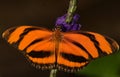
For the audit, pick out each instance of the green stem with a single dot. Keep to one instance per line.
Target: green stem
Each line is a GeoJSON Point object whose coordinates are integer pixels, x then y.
{"type": "Point", "coordinates": [69, 17]}
{"type": "Point", "coordinates": [53, 73]}
{"type": "Point", "coordinates": [71, 10]}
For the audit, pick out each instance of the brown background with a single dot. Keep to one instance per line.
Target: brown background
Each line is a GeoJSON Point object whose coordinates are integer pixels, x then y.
{"type": "Point", "coordinates": [102, 16]}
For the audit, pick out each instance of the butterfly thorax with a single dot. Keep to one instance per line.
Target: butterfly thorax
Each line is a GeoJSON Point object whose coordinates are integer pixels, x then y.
{"type": "Point", "coordinates": [57, 35]}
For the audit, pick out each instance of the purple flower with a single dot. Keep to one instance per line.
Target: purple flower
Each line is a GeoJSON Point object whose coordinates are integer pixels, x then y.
{"type": "Point", "coordinates": [72, 26]}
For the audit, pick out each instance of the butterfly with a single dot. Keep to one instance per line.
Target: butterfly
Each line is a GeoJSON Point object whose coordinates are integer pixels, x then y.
{"type": "Point", "coordinates": [68, 51]}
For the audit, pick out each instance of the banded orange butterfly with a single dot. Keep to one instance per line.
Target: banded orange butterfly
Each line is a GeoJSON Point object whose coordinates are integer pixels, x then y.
{"type": "Point", "coordinates": [68, 51]}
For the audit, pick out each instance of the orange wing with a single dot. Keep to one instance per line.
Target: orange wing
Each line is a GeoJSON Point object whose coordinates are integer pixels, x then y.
{"type": "Point", "coordinates": [74, 49]}
{"type": "Point", "coordinates": [35, 42]}
{"type": "Point", "coordinates": [78, 48]}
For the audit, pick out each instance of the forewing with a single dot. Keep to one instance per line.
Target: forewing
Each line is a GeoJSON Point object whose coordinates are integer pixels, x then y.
{"type": "Point", "coordinates": [35, 42]}
{"type": "Point", "coordinates": [78, 48]}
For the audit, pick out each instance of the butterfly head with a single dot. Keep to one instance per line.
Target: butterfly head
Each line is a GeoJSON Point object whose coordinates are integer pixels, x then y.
{"type": "Point", "coordinates": [58, 28]}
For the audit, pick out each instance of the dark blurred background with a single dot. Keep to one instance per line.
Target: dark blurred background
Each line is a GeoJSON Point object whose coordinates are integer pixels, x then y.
{"type": "Point", "coordinates": [102, 16]}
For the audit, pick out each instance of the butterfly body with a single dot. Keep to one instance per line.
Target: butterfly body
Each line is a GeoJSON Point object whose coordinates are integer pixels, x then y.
{"type": "Point", "coordinates": [56, 38]}
{"type": "Point", "coordinates": [68, 51]}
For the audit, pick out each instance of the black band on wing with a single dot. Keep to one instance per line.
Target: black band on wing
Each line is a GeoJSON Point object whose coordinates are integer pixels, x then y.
{"type": "Point", "coordinates": [73, 58]}
{"type": "Point", "coordinates": [113, 44]}
{"type": "Point", "coordinates": [80, 46]}
{"type": "Point", "coordinates": [83, 48]}
{"type": "Point", "coordinates": [96, 43]}
{"type": "Point", "coordinates": [35, 41]}
{"type": "Point", "coordinates": [26, 31]}
{"type": "Point", "coordinates": [39, 54]}
{"type": "Point", "coordinates": [8, 32]}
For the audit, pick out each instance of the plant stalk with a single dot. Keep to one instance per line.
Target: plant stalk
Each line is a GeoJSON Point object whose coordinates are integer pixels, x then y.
{"type": "Point", "coordinates": [71, 10]}
{"type": "Point", "coordinates": [53, 73]}
{"type": "Point", "coordinates": [69, 17]}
